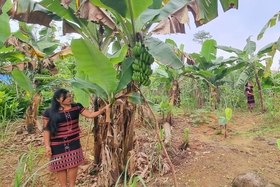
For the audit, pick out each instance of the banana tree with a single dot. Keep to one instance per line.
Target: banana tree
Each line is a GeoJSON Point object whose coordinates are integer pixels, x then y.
{"type": "Point", "coordinates": [122, 25]}
{"type": "Point", "coordinates": [210, 70]}
{"type": "Point", "coordinates": [25, 52]}
{"type": "Point", "coordinates": [271, 22]}
{"type": "Point", "coordinates": [171, 77]}
{"type": "Point", "coordinates": [250, 62]}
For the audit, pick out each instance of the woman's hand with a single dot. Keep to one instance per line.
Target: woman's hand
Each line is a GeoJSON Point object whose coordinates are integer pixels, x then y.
{"type": "Point", "coordinates": [48, 151]}
{"type": "Point", "coordinates": [104, 109]}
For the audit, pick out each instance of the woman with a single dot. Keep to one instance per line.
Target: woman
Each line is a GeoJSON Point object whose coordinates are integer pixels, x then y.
{"type": "Point", "coordinates": [250, 96]}
{"type": "Point", "coordinates": [61, 136]}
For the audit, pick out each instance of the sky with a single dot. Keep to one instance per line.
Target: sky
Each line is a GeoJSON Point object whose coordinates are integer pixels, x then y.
{"type": "Point", "coordinates": [233, 27]}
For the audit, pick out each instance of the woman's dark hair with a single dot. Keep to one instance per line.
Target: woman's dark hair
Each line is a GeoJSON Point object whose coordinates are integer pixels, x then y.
{"type": "Point", "coordinates": [54, 110]}
{"type": "Point", "coordinates": [246, 84]}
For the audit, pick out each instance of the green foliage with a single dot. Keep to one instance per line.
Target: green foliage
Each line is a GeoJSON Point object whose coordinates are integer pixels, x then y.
{"type": "Point", "coordinates": [272, 22]}
{"type": "Point", "coordinates": [163, 52]}
{"type": "Point", "coordinates": [224, 119]}
{"type": "Point", "coordinates": [26, 165]}
{"type": "Point", "coordinates": [4, 21]}
{"type": "Point", "coordinates": [23, 81]}
{"type": "Point", "coordinates": [199, 117]}
{"type": "Point", "coordinates": [88, 58]}
{"type": "Point", "coordinates": [133, 179]}
{"type": "Point", "coordinates": [186, 135]}
{"type": "Point", "coordinates": [12, 104]}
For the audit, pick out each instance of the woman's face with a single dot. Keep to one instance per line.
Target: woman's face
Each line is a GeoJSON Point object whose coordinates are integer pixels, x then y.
{"type": "Point", "coordinates": [67, 101]}
{"type": "Point", "coordinates": [249, 84]}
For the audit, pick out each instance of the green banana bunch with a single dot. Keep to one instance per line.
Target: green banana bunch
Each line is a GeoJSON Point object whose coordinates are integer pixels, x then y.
{"type": "Point", "coordinates": [142, 65]}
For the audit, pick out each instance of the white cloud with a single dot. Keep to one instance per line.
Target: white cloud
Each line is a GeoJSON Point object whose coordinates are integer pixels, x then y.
{"type": "Point", "coordinates": [233, 27]}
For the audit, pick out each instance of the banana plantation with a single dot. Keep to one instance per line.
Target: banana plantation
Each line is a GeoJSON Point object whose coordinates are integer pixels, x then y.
{"type": "Point", "coordinates": [175, 118]}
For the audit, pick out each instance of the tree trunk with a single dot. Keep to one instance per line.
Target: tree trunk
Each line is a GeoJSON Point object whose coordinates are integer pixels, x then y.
{"type": "Point", "coordinates": [174, 95]}
{"type": "Point", "coordinates": [214, 103]}
{"type": "Point", "coordinates": [32, 112]}
{"type": "Point", "coordinates": [197, 95]}
{"type": "Point", "coordinates": [115, 140]}
{"type": "Point", "coordinates": [97, 134]}
{"type": "Point", "coordinates": [260, 92]}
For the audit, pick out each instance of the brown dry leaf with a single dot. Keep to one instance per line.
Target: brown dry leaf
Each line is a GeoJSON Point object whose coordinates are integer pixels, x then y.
{"type": "Point", "coordinates": [2, 2]}
{"type": "Point", "coordinates": [32, 65]}
{"type": "Point", "coordinates": [96, 14]}
{"type": "Point", "coordinates": [190, 60]}
{"type": "Point", "coordinates": [21, 66]}
{"type": "Point", "coordinates": [54, 71]}
{"type": "Point", "coordinates": [67, 28]}
{"type": "Point", "coordinates": [14, 41]}
{"type": "Point", "coordinates": [24, 15]}
{"type": "Point", "coordinates": [115, 140]}
{"type": "Point", "coordinates": [26, 50]}
{"type": "Point", "coordinates": [8, 68]}
{"type": "Point", "coordinates": [165, 168]}
{"type": "Point", "coordinates": [37, 53]}
{"type": "Point", "coordinates": [145, 172]}
{"type": "Point", "coordinates": [132, 162]}
{"type": "Point", "coordinates": [173, 23]}
{"type": "Point", "coordinates": [193, 5]}
{"type": "Point", "coordinates": [64, 52]}
{"type": "Point", "coordinates": [47, 63]}
{"type": "Point", "coordinates": [119, 102]}
{"type": "Point", "coordinates": [65, 3]}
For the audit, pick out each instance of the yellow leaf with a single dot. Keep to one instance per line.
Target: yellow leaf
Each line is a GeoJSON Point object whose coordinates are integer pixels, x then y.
{"type": "Point", "coordinates": [165, 1]}
{"type": "Point", "coordinates": [91, 157]}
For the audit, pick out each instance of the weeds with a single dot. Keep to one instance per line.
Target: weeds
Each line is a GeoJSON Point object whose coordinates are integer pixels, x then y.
{"type": "Point", "coordinates": [5, 128]}
{"type": "Point", "coordinates": [133, 180]}
{"type": "Point", "coordinates": [186, 138]}
{"type": "Point", "coordinates": [26, 166]}
{"type": "Point", "coordinates": [199, 117]}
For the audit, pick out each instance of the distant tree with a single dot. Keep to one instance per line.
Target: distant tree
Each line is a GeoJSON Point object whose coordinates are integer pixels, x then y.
{"type": "Point", "coordinates": [201, 36]}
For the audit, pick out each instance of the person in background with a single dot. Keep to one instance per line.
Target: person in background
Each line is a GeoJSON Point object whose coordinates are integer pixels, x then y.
{"type": "Point", "coordinates": [62, 135]}
{"type": "Point", "coordinates": [250, 96]}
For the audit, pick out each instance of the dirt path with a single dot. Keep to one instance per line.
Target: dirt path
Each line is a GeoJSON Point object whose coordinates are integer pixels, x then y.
{"type": "Point", "coordinates": [210, 160]}
{"type": "Point", "coordinates": [214, 161]}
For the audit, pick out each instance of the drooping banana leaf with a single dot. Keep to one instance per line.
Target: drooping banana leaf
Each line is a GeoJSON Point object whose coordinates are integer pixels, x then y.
{"type": "Point", "coordinates": [95, 64]}
{"type": "Point", "coordinates": [270, 23]}
{"type": "Point", "coordinates": [266, 49]}
{"type": "Point", "coordinates": [31, 12]}
{"type": "Point", "coordinates": [126, 8]}
{"type": "Point", "coordinates": [230, 49]}
{"type": "Point", "coordinates": [163, 52]}
{"type": "Point", "coordinates": [88, 87]}
{"type": "Point", "coordinates": [118, 56]}
{"type": "Point", "coordinates": [126, 74]}
{"type": "Point", "coordinates": [81, 94]}
{"type": "Point", "coordinates": [250, 47]}
{"type": "Point", "coordinates": [5, 30]}
{"type": "Point", "coordinates": [23, 81]}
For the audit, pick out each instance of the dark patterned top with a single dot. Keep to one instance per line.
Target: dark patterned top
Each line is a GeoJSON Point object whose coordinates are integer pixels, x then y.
{"type": "Point", "coordinates": [65, 145]}
{"type": "Point", "coordinates": [250, 98]}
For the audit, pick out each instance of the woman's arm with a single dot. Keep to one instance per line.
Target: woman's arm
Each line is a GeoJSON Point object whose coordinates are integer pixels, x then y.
{"type": "Point", "coordinates": [89, 114]}
{"type": "Point", "coordinates": [47, 139]}
{"type": "Point", "coordinates": [249, 93]}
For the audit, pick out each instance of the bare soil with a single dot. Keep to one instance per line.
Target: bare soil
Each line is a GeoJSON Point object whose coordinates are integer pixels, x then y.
{"type": "Point", "coordinates": [210, 160]}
